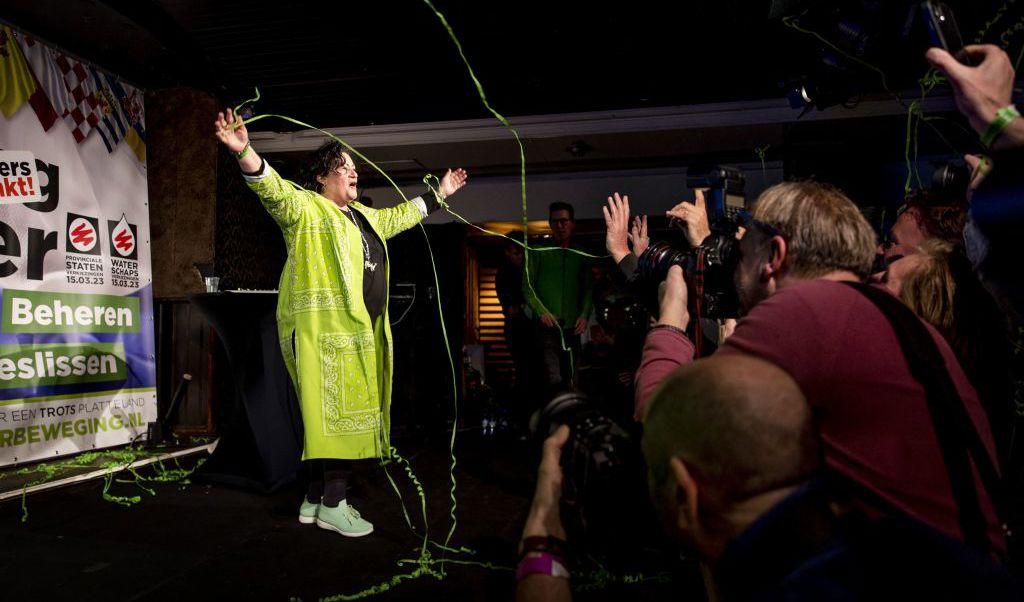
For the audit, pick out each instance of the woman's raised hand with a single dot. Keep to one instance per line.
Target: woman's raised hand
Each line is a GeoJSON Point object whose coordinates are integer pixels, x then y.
{"type": "Point", "coordinates": [231, 131]}
{"type": "Point", "coordinates": [452, 182]}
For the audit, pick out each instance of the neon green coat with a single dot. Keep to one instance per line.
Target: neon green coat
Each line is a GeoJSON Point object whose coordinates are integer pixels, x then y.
{"type": "Point", "coordinates": [341, 364]}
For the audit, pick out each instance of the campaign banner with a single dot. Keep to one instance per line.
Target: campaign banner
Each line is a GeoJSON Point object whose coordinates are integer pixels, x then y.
{"type": "Point", "coordinates": [77, 348]}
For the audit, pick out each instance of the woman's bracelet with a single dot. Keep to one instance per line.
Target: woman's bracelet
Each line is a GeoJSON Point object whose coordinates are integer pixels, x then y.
{"type": "Point", "coordinates": [245, 151]}
{"type": "Point", "coordinates": [675, 329]}
{"type": "Point", "coordinates": [549, 544]}
{"type": "Point", "coordinates": [1004, 117]}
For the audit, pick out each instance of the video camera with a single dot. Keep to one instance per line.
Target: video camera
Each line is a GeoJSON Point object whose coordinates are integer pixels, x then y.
{"type": "Point", "coordinates": [708, 267]}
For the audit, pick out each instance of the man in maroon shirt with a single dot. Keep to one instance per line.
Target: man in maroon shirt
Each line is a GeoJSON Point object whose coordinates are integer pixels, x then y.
{"type": "Point", "coordinates": [805, 240]}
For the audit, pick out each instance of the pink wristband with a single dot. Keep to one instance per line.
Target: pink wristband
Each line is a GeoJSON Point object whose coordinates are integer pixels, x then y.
{"type": "Point", "coordinates": [541, 564]}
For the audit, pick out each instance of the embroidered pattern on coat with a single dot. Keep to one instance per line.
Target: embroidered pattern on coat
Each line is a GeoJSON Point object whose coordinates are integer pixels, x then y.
{"type": "Point", "coordinates": [320, 298]}
{"type": "Point", "coordinates": [351, 404]}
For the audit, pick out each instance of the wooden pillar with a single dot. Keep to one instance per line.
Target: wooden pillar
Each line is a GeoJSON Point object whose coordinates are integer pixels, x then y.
{"type": "Point", "coordinates": [182, 187]}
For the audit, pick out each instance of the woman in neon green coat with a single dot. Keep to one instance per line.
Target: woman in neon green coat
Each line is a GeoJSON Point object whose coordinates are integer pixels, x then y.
{"type": "Point", "coordinates": [332, 312]}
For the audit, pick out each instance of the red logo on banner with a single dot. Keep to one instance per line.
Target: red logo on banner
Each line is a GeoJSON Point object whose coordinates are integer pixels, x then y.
{"type": "Point", "coordinates": [124, 242]}
{"type": "Point", "coordinates": [82, 235]}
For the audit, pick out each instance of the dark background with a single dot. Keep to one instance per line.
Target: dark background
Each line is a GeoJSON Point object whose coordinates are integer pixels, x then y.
{"type": "Point", "coordinates": [359, 63]}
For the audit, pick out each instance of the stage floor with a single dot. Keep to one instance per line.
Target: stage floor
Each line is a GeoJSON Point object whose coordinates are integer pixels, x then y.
{"type": "Point", "coordinates": [209, 542]}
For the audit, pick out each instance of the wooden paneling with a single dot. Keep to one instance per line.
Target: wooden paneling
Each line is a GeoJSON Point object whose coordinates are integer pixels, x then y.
{"type": "Point", "coordinates": [490, 326]}
{"type": "Point", "coordinates": [187, 344]}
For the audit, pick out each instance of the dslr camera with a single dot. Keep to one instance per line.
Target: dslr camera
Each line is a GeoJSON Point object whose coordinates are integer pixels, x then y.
{"type": "Point", "coordinates": [604, 473]}
{"type": "Point", "coordinates": [709, 267]}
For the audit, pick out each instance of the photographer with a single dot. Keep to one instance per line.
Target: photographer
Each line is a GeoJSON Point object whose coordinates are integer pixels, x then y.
{"type": "Point", "coordinates": [692, 217]}
{"type": "Point", "coordinates": [806, 241]}
{"type": "Point", "coordinates": [732, 460]}
{"type": "Point", "coordinates": [925, 215]}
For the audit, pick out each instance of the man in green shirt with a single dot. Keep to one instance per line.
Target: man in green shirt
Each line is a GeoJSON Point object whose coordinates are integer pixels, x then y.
{"type": "Point", "coordinates": [557, 290]}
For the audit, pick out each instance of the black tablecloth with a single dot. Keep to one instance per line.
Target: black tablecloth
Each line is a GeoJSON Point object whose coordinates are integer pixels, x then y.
{"type": "Point", "coordinates": [261, 442]}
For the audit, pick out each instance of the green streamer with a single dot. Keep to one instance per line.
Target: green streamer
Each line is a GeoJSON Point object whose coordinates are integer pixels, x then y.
{"type": "Point", "coordinates": [430, 179]}
{"type": "Point", "coordinates": [113, 461]}
{"type": "Point", "coordinates": [455, 396]}
{"type": "Point", "coordinates": [425, 557]}
{"type": "Point", "coordinates": [600, 578]}
{"type": "Point", "coordinates": [522, 158]}
{"type": "Point", "coordinates": [791, 23]}
{"type": "Point", "coordinates": [762, 153]}
{"type": "Point", "coordinates": [915, 111]}
{"type": "Point", "coordinates": [1000, 12]}
{"type": "Point", "coordinates": [425, 562]}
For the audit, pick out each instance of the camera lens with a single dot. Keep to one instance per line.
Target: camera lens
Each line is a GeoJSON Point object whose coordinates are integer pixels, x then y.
{"type": "Point", "coordinates": [951, 180]}
{"type": "Point", "coordinates": [655, 262]}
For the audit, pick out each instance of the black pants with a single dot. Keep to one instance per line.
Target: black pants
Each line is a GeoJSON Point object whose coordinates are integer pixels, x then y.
{"type": "Point", "coordinates": [559, 366]}
{"type": "Point", "coordinates": [328, 481]}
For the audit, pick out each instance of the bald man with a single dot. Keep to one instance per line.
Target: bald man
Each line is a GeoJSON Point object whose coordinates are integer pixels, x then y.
{"type": "Point", "coordinates": [725, 440]}
{"type": "Point", "coordinates": [733, 459]}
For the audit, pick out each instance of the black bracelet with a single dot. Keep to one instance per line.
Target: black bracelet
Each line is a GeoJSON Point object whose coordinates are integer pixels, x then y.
{"type": "Point", "coordinates": [668, 327]}
{"type": "Point", "coordinates": [431, 200]}
{"type": "Point", "coordinates": [538, 543]}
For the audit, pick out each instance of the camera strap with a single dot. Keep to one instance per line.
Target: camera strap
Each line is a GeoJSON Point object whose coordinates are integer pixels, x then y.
{"type": "Point", "coordinates": [698, 303]}
{"type": "Point", "coordinates": [959, 441]}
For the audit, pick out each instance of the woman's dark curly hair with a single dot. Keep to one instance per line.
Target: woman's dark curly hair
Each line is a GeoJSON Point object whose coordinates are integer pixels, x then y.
{"type": "Point", "coordinates": [323, 161]}
{"type": "Point", "coordinates": [938, 215]}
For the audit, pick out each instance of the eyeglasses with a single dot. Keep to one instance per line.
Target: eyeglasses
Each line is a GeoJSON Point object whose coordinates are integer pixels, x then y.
{"type": "Point", "coordinates": [346, 170]}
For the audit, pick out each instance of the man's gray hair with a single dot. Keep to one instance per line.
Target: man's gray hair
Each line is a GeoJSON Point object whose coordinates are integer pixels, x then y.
{"type": "Point", "coordinates": [823, 229]}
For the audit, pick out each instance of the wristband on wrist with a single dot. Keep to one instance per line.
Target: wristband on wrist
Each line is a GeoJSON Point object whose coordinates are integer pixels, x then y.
{"type": "Point", "coordinates": [242, 153]}
{"type": "Point", "coordinates": [669, 327]}
{"type": "Point", "coordinates": [541, 564]}
{"type": "Point", "coordinates": [549, 544]}
{"type": "Point", "coordinates": [1004, 117]}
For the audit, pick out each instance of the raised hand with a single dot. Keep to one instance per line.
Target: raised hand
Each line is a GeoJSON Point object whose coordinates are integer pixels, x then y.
{"type": "Point", "coordinates": [231, 131]}
{"type": "Point", "coordinates": [638, 235]}
{"type": "Point", "coordinates": [616, 220]}
{"type": "Point", "coordinates": [979, 91]}
{"type": "Point", "coordinates": [695, 215]}
{"type": "Point", "coordinates": [452, 181]}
